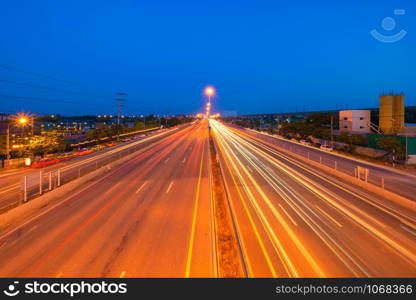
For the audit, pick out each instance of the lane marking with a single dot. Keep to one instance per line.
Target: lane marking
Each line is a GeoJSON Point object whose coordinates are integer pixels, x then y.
{"type": "Point", "coordinates": [314, 265]}
{"type": "Point", "coordinates": [250, 217]}
{"type": "Point", "coordinates": [122, 274]}
{"type": "Point", "coordinates": [184, 160]}
{"type": "Point", "coordinates": [113, 188]}
{"type": "Point", "coordinates": [287, 214]}
{"type": "Point", "coordinates": [248, 167]}
{"type": "Point", "coordinates": [167, 159]}
{"type": "Point", "coordinates": [170, 186]}
{"type": "Point", "coordinates": [195, 212]}
{"type": "Point", "coordinates": [33, 228]}
{"type": "Point", "coordinates": [328, 216]}
{"type": "Point", "coordinates": [142, 186]}
{"type": "Point", "coordinates": [269, 147]}
{"type": "Point", "coordinates": [86, 188]}
{"type": "Point", "coordinates": [311, 220]}
{"type": "Point", "coordinates": [389, 241]}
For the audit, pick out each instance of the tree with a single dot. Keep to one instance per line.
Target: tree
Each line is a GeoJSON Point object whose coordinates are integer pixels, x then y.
{"type": "Point", "coordinates": [270, 129]}
{"type": "Point", "coordinates": [3, 145]}
{"type": "Point", "coordinates": [322, 133]}
{"type": "Point", "coordinates": [393, 146]}
{"type": "Point", "coordinates": [359, 139]}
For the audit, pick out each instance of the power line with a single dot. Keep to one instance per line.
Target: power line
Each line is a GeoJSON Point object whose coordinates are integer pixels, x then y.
{"type": "Point", "coordinates": [51, 77]}
{"type": "Point", "coordinates": [52, 89]}
{"type": "Point", "coordinates": [58, 101]}
{"type": "Point", "coordinates": [46, 100]}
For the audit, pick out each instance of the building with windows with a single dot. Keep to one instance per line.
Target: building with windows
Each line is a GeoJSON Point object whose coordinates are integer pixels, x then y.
{"type": "Point", "coordinates": [355, 121]}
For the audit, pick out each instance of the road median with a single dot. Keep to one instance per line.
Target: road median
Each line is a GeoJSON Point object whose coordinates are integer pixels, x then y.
{"type": "Point", "coordinates": [229, 259]}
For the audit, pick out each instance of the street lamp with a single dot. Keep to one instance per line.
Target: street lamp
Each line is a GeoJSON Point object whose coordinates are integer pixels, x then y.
{"type": "Point", "coordinates": [209, 92]}
{"type": "Point", "coordinates": [19, 120]}
{"type": "Point", "coordinates": [22, 120]}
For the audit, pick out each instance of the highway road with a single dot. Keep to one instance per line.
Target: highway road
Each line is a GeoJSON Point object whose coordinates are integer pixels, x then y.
{"type": "Point", "coordinates": [10, 183]}
{"type": "Point", "coordinates": [151, 217]}
{"type": "Point", "coordinates": [294, 220]}
{"type": "Point", "coordinates": [397, 181]}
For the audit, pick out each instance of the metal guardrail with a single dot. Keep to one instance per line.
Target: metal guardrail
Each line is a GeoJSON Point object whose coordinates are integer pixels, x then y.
{"type": "Point", "coordinates": [357, 171]}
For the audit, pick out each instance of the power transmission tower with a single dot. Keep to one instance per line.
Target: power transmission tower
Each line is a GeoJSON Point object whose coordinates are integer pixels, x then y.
{"type": "Point", "coordinates": [120, 100]}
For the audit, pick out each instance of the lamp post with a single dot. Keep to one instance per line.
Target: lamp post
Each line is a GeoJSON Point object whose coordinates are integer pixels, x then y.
{"type": "Point", "coordinates": [8, 145]}
{"type": "Point", "coordinates": [209, 92]}
{"type": "Point", "coordinates": [20, 120]}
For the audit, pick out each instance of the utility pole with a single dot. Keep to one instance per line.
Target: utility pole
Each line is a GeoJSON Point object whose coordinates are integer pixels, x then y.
{"type": "Point", "coordinates": [144, 121]}
{"type": "Point", "coordinates": [407, 153]}
{"type": "Point", "coordinates": [120, 100]}
{"type": "Point", "coordinates": [8, 145]}
{"type": "Point", "coordinates": [332, 131]}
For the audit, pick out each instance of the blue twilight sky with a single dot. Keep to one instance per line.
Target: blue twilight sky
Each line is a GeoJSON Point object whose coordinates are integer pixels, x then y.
{"type": "Point", "coordinates": [262, 56]}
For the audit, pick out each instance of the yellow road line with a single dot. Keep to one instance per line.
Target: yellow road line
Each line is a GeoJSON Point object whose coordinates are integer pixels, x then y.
{"type": "Point", "coordinates": [195, 212]}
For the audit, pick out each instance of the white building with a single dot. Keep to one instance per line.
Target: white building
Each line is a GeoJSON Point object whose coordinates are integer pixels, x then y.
{"type": "Point", "coordinates": [355, 121]}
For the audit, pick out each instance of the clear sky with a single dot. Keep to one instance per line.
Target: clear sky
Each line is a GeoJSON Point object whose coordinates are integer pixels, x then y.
{"type": "Point", "coordinates": [262, 56]}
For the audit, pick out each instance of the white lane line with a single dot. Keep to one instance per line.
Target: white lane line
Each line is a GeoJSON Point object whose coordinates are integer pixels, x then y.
{"type": "Point", "coordinates": [122, 274]}
{"type": "Point", "coordinates": [328, 216]}
{"type": "Point", "coordinates": [184, 160]}
{"type": "Point", "coordinates": [170, 186]}
{"type": "Point", "coordinates": [408, 229]}
{"type": "Point", "coordinates": [110, 190]}
{"type": "Point", "coordinates": [166, 160]}
{"type": "Point", "coordinates": [142, 186]}
{"type": "Point", "coordinates": [290, 218]}
{"type": "Point", "coordinates": [33, 228]}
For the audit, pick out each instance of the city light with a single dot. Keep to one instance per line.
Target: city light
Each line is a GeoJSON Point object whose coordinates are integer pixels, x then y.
{"type": "Point", "coordinates": [209, 91]}
{"type": "Point", "coordinates": [22, 119]}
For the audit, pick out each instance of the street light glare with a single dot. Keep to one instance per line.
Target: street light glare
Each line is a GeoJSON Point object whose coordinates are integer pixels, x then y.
{"type": "Point", "coordinates": [209, 91]}
{"type": "Point", "coordinates": [22, 120]}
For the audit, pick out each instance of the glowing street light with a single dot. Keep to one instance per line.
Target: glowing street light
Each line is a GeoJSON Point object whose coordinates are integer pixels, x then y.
{"type": "Point", "coordinates": [209, 92]}
{"type": "Point", "coordinates": [22, 120]}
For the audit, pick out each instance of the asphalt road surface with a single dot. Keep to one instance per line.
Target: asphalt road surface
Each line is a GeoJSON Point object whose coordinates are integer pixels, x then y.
{"type": "Point", "coordinates": [397, 181]}
{"type": "Point", "coordinates": [11, 182]}
{"type": "Point", "coordinates": [297, 221]}
{"type": "Point", "coordinates": [151, 217]}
